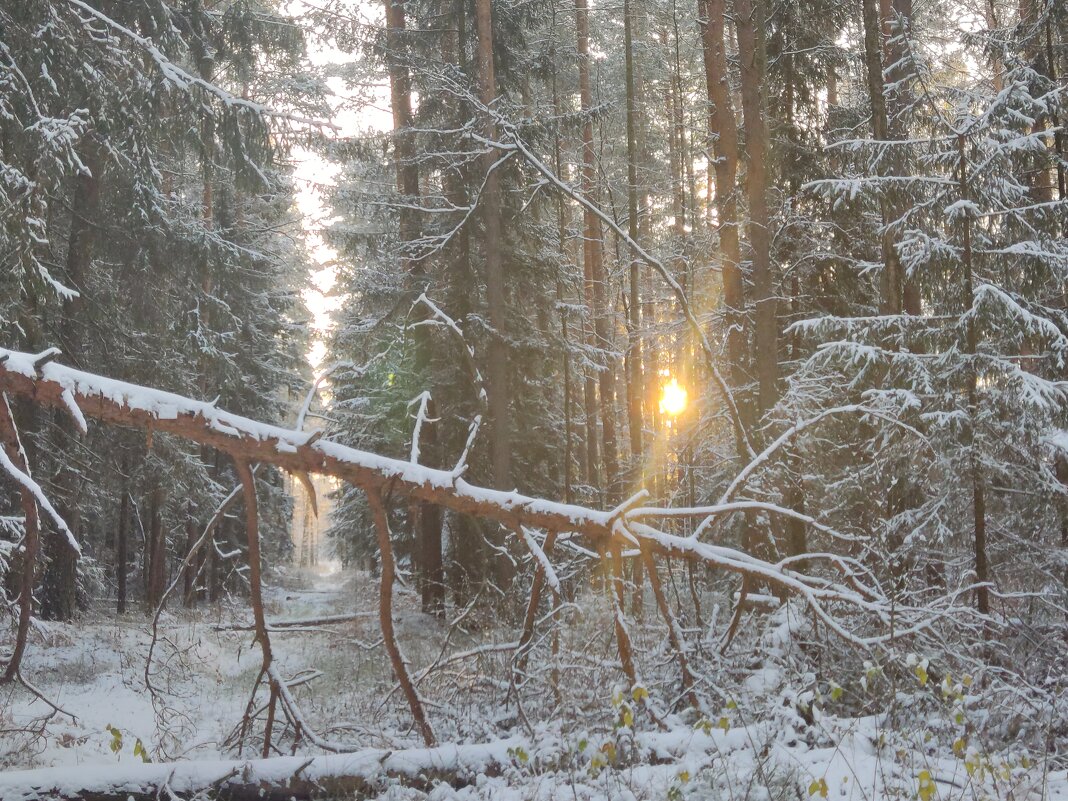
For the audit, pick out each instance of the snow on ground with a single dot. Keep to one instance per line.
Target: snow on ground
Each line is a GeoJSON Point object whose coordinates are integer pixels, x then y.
{"type": "Point", "coordinates": [585, 748]}
{"type": "Point", "coordinates": [94, 669]}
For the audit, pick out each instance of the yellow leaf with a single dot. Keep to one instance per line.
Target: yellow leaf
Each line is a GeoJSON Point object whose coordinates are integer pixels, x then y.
{"type": "Point", "coordinates": [818, 787]}
{"type": "Point", "coordinates": [836, 692]}
{"type": "Point", "coordinates": [609, 750]}
{"type": "Point", "coordinates": [640, 694]}
{"type": "Point", "coordinates": [927, 788]}
{"type": "Point", "coordinates": [724, 724]}
{"type": "Point", "coordinates": [921, 674]}
{"type": "Point", "coordinates": [684, 776]}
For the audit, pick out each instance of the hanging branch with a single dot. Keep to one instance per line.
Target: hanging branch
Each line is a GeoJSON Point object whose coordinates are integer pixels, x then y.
{"type": "Point", "coordinates": [675, 635]}
{"type": "Point", "coordinates": [543, 573]}
{"type": "Point", "coordinates": [385, 616]}
{"type": "Point", "coordinates": [187, 563]}
{"type": "Point", "coordinates": [278, 688]}
{"type": "Point", "coordinates": [12, 448]}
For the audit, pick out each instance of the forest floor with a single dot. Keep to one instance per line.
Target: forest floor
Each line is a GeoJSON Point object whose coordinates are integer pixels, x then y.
{"type": "Point", "coordinates": [204, 673]}
{"type": "Point", "coordinates": [95, 670]}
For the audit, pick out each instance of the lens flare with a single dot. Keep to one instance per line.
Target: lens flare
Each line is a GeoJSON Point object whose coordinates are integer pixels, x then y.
{"type": "Point", "coordinates": [673, 398]}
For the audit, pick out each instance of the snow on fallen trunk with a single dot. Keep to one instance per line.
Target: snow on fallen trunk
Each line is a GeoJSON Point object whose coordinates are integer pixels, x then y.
{"type": "Point", "coordinates": [39, 379]}
{"type": "Point", "coordinates": [275, 777]}
{"type": "Point", "coordinates": [112, 401]}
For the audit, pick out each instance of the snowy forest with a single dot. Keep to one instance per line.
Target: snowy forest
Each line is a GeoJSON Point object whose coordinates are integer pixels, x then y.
{"type": "Point", "coordinates": [534, 399]}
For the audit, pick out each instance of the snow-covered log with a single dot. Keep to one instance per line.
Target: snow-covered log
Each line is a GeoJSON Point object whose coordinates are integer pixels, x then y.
{"type": "Point", "coordinates": [154, 410]}
{"type": "Point", "coordinates": [43, 381]}
{"type": "Point", "coordinates": [360, 773]}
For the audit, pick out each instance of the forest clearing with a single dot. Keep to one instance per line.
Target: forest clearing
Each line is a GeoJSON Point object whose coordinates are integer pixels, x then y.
{"type": "Point", "coordinates": [534, 400]}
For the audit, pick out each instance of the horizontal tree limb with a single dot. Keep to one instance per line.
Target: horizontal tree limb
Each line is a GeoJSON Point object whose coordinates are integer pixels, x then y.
{"type": "Point", "coordinates": [131, 405]}
{"type": "Point", "coordinates": [48, 383]}
{"type": "Point", "coordinates": [271, 779]}
{"type": "Point", "coordinates": [323, 620]}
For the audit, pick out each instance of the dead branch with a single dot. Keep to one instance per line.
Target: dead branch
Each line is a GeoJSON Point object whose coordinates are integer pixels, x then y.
{"type": "Point", "coordinates": [30, 542]}
{"type": "Point", "coordinates": [385, 617]}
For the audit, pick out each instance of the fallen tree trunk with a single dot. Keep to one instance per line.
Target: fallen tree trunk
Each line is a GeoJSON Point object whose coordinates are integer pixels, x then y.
{"type": "Point", "coordinates": [39, 379]}
{"type": "Point", "coordinates": [298, 452]}
{"type": "Point", "coordinates": [277, 625]}
{"type": "Point", "coordinates": [361, 773]}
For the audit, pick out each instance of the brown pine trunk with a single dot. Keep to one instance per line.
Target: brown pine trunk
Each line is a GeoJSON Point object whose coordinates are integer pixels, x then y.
{"type": "Point", "coordinates": [723, 147]}
{"type": "Point", "coordinates": [561, 235]}
{"type": "Point", "coordinates": [593, 260]}
{"type": "Point", "coordinates": [877, 21]}
{"type": "Point", "coordinates": [157, 550]}
{"type": "Point", "coordinates": [59, 586]}
{"type": "Point", "coordinates": [428, 549]}
{"type": "Point", "coordinates": [189, 571]}
{"type": "Point", "coordinates": [749, 19]}
{"type": "Point", "coordinates": [491, 202]}
{"type": "Point", "coordinates": [122, 547]}
{"type": "Point", "coordinates": [982, 565]}
{"type": "Point", "coordinates": [634, 343]}
{"type": "Point", "coordinates": [589, 390]}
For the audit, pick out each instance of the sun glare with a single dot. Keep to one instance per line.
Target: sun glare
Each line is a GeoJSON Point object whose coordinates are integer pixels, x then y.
{"type": "Point", "coordinates": [673, 398]}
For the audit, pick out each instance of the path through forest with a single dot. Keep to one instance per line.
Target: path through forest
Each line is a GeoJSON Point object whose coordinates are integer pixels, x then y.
{"type": "Point", "coordinates": [204, 672]}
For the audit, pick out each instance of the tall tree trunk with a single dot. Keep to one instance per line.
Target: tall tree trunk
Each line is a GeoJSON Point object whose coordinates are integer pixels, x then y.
{"type": "Point", "coordinates": [723, 152]}
{"type": "Point", "coordinates": [157, 550]}
{"type": "Point", "coordinates": [59, 586]}
{"type": "Point", "coordinates": [189, 572]}
{"type": "Point", "coordinates": [878, 20]}
{"type": "Point", "coordinates": [400, 93]}
{"type": "Point", "coordinates": [122, 546]}
{"type": "Point", "coordinates": [749, 19]}
{"type": "Point", "coordinates": [975, 468]}
{"type": "Point", "coordinates": [593, 259]}
{"type": "Point", "coordinates": [562, 216]}
{"type": "Point", "coordinates": [634, 342]}
{"type": "Point", "coordinates": [491, 201]}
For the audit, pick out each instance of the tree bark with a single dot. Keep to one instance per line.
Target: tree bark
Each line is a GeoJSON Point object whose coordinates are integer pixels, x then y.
{"type": "Point", "coordinates": [491, 202]}
{"type": "Point", "coordinates": [400, 91]}
{"type": "Point", "coordinates": [635, 391]}
{"type": "Point", "coordinates": [385, 616]}
{"type": "Point", "coordinates": [157, 550]}
{"type": "Point", "coordinates": [593, 261]}
{"type": "Point", "coordinates": [975, 468]}
{"type": "Point", "coordinates": [723, 135]}
{"type": "Point", "coordinates": [122, 546]}
{"type": "Point", "coordinates": [749, 19]}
